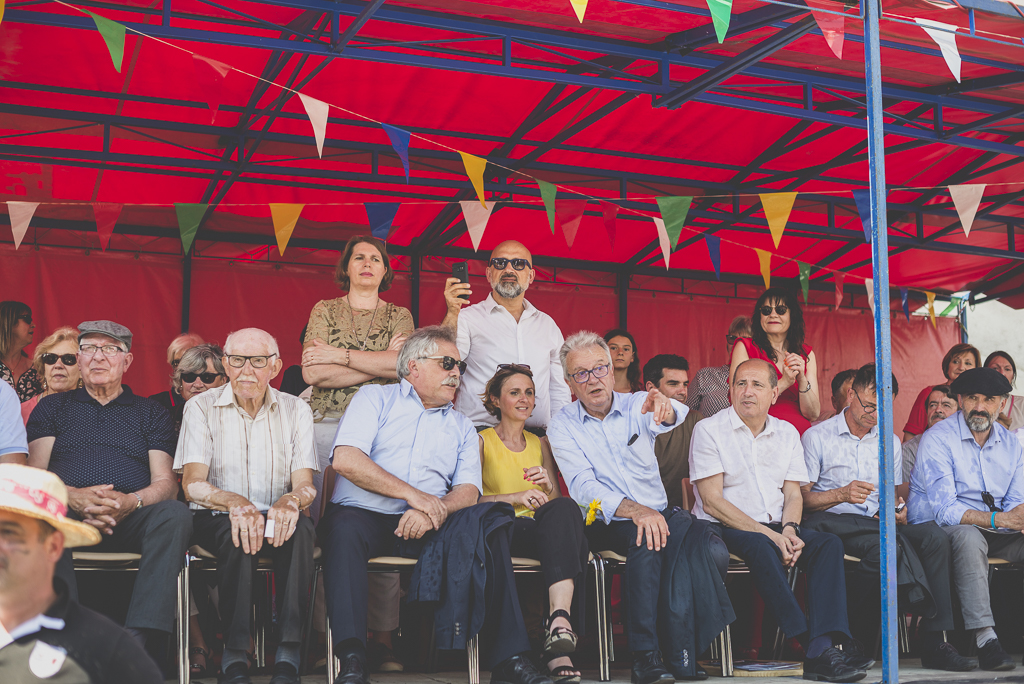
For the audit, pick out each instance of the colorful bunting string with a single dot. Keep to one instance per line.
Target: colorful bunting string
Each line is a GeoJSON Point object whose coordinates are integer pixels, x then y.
{"type": "Point", "coordinates": [569, 214]}
{"type": "Point", "coordinates": [284, 216]}
{"type": "Point", "coordinates": [673, 213]}
{"type": "Point", "coordinates": [113, 36]}
{"type": "Point", "coordinates": [189, 218]}
{"type": "Point", "coordinates": [475, 167]}
{"type": "Point", "coordinates": [106, 214]}
{"type": "Point", "coordinates": [21, 215]}
{"type": "Point", "coordinates": [476, 215]}
{"type": "Point", "coordinates": [400, 141]}
{"type": "Point", "coordinates": [954, 302]}
{"type": "Point", "coordinates": [381, 215]}
{"type": "Point", "coordinates": [777, 207]}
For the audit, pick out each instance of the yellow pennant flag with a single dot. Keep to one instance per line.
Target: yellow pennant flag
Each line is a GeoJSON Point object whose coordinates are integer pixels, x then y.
{"type": "Point", "coordinates": [766, 266]}
{"type": "Point", "coordinates": [475, 170]}
{"type": "Point", "coordinates": [285, 216]}
{"type": "Point", "coordinates": [579, 7]}
{"type": "Point", "coordinates": [3, 2]}
{"type": "Point", "coordinates": [777, 206]}
{"type": "Point", "coordinates": [931, 306]}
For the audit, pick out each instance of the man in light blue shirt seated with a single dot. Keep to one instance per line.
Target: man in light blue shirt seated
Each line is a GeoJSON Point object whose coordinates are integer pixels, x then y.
{"type": "Point", "coordinates": [969, 478]}
{"type": "Point", "coordinates": [13, 442]}
{"type": "Point", "coordinates": [405, 462]}
{"type": "Point", "coordinates": [604, 447]}
{"type": "Point", "coordinates": [841, 455]}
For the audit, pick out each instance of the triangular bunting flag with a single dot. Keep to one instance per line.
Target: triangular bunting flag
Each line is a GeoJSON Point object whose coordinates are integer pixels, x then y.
{"type": "Point", "coordinates": [953, 303]}
{"type": "Point", "coordinates": [966, 199]}
{"type": "Point", "coordinates": [475, 167]}
{"type": "Point", "coordinates": [317, 112]}
{"type": "Point", "coordinates": [608, 212]}
{"type": "Point", "coordinates": [189, 218]}
{"type": "Point", "coordinates": [666, 248]}
{"type": "Point", "coordinates": [863, 200]}
{"type": "Point", "coordinates": [548, 191]}
{"type": "Point", "coordinates": [903, 299]}
{"type": "Point", "coordinates": [673, 213]}
{"type": "Point", "coordinates": [839, 289]}
{"type": "Point", "coordinates": [210, 75]}
{"type": "Point", "coordinates": [579, 7]}
{"type": "Point", "coordinates": [721, 15]}
{"type": "Point", "coordinates": [930, 296]}
{"type": "Point", "coordinates": [381, 215]}
{"type": "Point", "coordinates": [570, 213]}
{"type": "Point", "coordinates": [21, 215]}
{"type": "Point", "coordinates": [2, 3]}
{"type": "Point", "coordinates": [777, 206]}
{"type": "Point", "coordinates": [113, 35]}
{"type": "Point", "coordinates": [400, 141]}
{"type": "Point", "coordinates": [830, 24]}
{"type": "Point", "coordinates": [805, 279]}
{"type": "Point", "coordinates": [106, 215]}
{"type": "Point", "coordinates": [869, 285]}
{"type": "Point", "coordinates": [476, 215]}
{"type": "Point", "coordinates": [944, 36]}
{"type": "Point", "coordinates": [284, 216]}
{"type": "Point", "coordinates": [765, 259]}
{"type": "Point", "coordinates": [714, 244]}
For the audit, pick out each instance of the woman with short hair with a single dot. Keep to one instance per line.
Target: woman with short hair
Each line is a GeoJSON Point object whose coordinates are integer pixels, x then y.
{"type": "Point", "coordinates": [16, 330]}
{"type": "Point", "coordinates": [56, 361]}
{"type": "Point", "coordinates": [959, 358]}
{"type": "Point", "coordinates": [1014, 409]}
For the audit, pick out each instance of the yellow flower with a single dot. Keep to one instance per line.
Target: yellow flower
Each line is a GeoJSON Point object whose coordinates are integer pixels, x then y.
{"type": "Point", "coordinates": [592, 510]}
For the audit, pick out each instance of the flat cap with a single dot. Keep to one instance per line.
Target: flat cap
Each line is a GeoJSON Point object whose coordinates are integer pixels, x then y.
{"type": "Point", "coordinates": [108, 328]}
{"type": "Point", "coordinates": [987, 381]}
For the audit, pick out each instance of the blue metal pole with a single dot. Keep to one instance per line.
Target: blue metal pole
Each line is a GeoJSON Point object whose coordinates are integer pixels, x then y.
{"type": "Point", "coordinates": [883, 346]}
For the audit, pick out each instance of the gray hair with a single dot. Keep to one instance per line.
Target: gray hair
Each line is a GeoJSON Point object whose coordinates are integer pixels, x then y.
{"type": "Point", "coordinates": [773, 376]}
{"type": "Point", "coordinates": [584, 339]}
{"type": "Point", "coordinates": [272, 348]}
{"type": "Point", "coordinates": [194, 361]}
{"type": "Point", "coordinates": [423, 342]}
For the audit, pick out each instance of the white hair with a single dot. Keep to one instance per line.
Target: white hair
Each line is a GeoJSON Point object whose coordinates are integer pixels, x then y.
{"type": "Point", "coordinates": [266, 337]}
{"type": "Point", "coordinates": [584, 339]}
{"type": "Point", "coordinates": [422, 343]}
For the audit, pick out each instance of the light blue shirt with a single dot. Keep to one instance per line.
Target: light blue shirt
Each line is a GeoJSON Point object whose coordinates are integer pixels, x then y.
{"type": "Point", "coordinates": [835, 458]}
{"type": "Point", "coordinates": [433, 450]}
{"type": "Point", "coordinates": [12, 428]}
{"type": "Point", "coordinates": [596, 461]}
{"type": "Point", "coordinates": [952, 471]}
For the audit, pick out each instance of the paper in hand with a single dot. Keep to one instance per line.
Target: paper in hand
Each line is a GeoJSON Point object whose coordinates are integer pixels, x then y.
{"type": "Point", "coordinates": [268, 529]}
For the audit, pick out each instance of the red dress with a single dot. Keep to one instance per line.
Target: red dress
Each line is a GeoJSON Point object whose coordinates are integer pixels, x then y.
{"type": "Point", "coordinates": [787, 407]}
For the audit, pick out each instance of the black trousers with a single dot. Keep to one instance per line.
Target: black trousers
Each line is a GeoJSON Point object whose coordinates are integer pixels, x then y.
{"type": "Point", "coordinates": [159, 533]}
{"type": "Point", "coordinates": [554, 536]}
{"type": "Point", "coordinates": [293, 572]}
{"type": "Point", "coordinates": [821, 560]}
{"type": "Point", "coordinates": [351, 536]}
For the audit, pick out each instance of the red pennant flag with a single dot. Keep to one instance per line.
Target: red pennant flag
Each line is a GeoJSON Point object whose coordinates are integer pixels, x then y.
{"type": "Point", "coordinates": [608, 212]}
{"type": "Point", "coordinates": [569, 214]}
{"type": "Point", "coordinates": [106, 214]}
{"type": "Point", "coordinates": [210, 76]}
{"type": "Point", "coordinates": [839, 289]}
{"type": "Point", "coordinates": [831, 25]}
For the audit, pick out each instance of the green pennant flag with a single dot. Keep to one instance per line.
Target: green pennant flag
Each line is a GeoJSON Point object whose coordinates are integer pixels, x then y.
{"type": "Point", "coordinates": [189, 217]}
{"type": "Point", "coordinates": [113, 34]}
{"type": "Point", "coordinates": [673, 213]}
{"type": "Point", "coordinates": [547, 193]}
{"type": "Point", "coordinates": [721, 15]}
{"type": "Point", "coordinates": [953, 303]}
{"type": "Point", "coordinates": [805, 278]}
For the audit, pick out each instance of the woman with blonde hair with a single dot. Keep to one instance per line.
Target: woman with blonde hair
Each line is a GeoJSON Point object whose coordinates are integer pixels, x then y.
{"type": "Point", "coordinates": [56, 361]}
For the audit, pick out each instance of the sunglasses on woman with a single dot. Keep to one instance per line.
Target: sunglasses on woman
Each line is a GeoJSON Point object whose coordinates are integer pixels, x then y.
{"type": "Point", "coordinates": [207, 378]}
{"type": "Point", "coordinates": [66, 359]}
{"type": "Point", "coordinates": [780, 309]}
{"type": "Point", "coordinates": [513, 366]}
{"type": "Point", "coordinates": [500, 263]}
{"type": "Point", "coordinates": [448, 363]}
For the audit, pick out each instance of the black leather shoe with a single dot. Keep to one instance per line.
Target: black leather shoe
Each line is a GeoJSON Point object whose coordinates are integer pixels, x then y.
{"type": "Point", "coordinates": [648, 669]}
{"type": "Point", "coordinates": [353, 670]}
{"type": "Point", "coordinates": [991, 656]}
{"type": "Point", "coordinates": [518, 670]}
{"type": "Point", "coordinates": [285, 673]}
{"type": "Point", "coordinates": [853, 654]}
{"type": "Point", "coordinates": [237, 673]}
{"type": "Point", "coordinates": [831, 666]}
{"type": "Point", "coordinates": [945, 657]}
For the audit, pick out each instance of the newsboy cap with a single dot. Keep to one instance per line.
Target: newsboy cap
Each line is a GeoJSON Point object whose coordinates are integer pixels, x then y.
{"type": "Point", "coordinates": [987, 381]}
{"type": "Point", "coordinates": [108, 328]}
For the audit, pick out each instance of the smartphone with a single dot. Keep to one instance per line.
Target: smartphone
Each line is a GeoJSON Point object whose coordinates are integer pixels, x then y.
{"type": "Point", "coordinates": [461, 271]}
{"type": "Point", "coordinates": [900, 507]}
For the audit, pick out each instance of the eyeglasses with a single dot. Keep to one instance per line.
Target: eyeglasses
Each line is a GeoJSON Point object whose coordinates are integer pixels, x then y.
{"type": "Point", "coordinates": [506, 366]}
{"type": "Point", "coordinates": [990, 502]}
{"type": "Point", "coordinates": [448, 363]}
{"type": "Point", "coordinates": [780, 309]}
{"type": "Point", "coordinates": [109, 350]}
{"type": "Point", "coordinates": [207, 378]}
{"type": "Point", "coordinates": [868, 408]}
{"type": "Point", "coordinates": [236, 361]}
{"type": "Point", "coordinates": [66, 359]}
{"type": "Point", "coordinates": [583, 376]}
{"type": "Point", "coordinates": [500, 263]}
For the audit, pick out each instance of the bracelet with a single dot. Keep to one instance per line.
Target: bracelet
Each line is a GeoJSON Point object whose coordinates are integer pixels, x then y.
{"type": "Point", "coordinates": [805, 391]}
{"type": "Point", "coordinates": [298, 501]}
{"type": "Point", "coordinates": [138, 505]}
{"type": "Point", "coordinates": [348, 356]}
{"type": "Point", "coordinates": [993, 523]}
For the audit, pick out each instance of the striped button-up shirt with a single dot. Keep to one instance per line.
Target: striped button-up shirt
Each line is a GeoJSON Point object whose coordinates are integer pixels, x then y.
{"type": "Point", "coordinates": [253, 457]}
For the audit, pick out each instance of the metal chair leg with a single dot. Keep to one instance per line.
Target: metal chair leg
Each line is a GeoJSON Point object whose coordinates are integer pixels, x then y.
{"type": "Point", "coordinates": [304, 665]}
{"type": "Point", "coordinates": [726, 660]}
{"type": "Point", "coordinates": [604, 662]}
{"type": "Point", "coordinates": [332, 666]}
{"type": "Point", "coordinates": [473, 656]}
{"type": "Point", "coordinates": [184, 669]}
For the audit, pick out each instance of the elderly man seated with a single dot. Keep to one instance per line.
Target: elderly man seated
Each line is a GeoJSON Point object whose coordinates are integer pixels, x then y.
{"type": "Point", "coordinates": [604, 446]}
{"type": "Point", "coordinates": [408, 468]}
{"type": "Point", "coordinates": [748, 468]}
{"type": "Point", "coordinates": [940, 404]}
{"type": "Point", "coordinates": [247, 457]}
{"type": "Point", "coordinates": [969, 478]}
{"type": "Point", "coordinates": [13, 443]}
{"type": "Point", "coordinates": [842, 498]}
{"type": "Point", "coordinates": [112, 448]}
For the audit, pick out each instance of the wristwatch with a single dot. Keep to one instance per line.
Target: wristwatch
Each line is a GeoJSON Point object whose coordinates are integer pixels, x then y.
{"type": "Point", "coordinates": [138, 505]}
{"type": "Point", "coordinates": [795, 526]}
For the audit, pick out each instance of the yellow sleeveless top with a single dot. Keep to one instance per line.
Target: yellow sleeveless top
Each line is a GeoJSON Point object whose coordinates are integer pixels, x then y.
{"type": "Point", "coordinates": [503, 469]}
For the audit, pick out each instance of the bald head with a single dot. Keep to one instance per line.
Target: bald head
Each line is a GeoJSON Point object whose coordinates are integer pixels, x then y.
{"type": "Point", "coordinates": [508, 283]}
{"type": "Point", "coordinates": [758, 365]}
{"type": "Point", "coordinates": [512, 249]}
{"type": "Point", "coordinates": [251, 338]}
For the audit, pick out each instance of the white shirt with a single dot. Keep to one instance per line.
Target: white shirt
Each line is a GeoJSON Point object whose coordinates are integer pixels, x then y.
{"type": "Point", "coordinates": [489, 335]}
{"type": "Point", "coordinates": [253, 457]}
{"type": "Point", "coordinates": [754, 468]}
{"type": "Point", "coordinates": [835, 458]}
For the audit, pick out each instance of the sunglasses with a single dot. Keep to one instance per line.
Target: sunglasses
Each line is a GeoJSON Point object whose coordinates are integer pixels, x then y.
{"type": "Point", "coordinates": [448, 363]}
{"type": "Point", "coordinates": [500, 263]}
{"type": "Point", "coordinates": [207, 378]}
{"type": "Point", "coordinates": [506, 366]}
{"type": "Point", "coordinates": [66, 359]}
{"type": "Point", "coordinates": [237, 361]}
{"type": "Point", "coordinates": [990, 502]}
{"type": "Point", "coordinates": [731, 339]}
{"type": "Point", "coordinates": [780, 309]}
{"type": "Point", "coordinates": [28, 318]}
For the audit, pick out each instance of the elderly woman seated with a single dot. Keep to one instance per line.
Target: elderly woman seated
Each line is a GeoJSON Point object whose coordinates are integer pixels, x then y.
{"type": "Point", "coordinates": [56, 361]}
{"type": "Point", "coordinates": [518, 468]}
{"type": "Point", "coordinates": [199, 369]}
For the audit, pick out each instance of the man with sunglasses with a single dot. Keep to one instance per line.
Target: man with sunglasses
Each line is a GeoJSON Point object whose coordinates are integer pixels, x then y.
{"type": "Point", "coordinates": [969, 478]}
{"type": "Point", "coordinates": [841, 498]}
{"type": "Point", "coordinates": [506, 328]}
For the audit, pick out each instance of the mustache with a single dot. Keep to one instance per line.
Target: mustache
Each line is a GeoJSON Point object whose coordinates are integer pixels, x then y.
{"type": "Point", "coordinates": [979, 414]}
{"type": "Point", "coordinates": [451, 381]}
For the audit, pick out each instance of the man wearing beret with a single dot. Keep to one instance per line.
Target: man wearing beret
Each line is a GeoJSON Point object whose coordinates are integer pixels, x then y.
{"type": "Point", "coordinates": [969, 479]}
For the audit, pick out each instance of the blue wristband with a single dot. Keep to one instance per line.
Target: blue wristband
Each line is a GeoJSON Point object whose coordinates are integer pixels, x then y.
{"type": "Point", "coordinates": [993, 523]}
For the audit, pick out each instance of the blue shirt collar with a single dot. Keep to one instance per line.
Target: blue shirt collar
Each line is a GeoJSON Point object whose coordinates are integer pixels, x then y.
{"type": "Point", "coordinates": [617, 403]}
{"type": "Point", "coordinates": [407, 390]}
{"type": "Point", "coordinates": [994, 435]}
{"type": "Point", "coordinates": [844, 427]}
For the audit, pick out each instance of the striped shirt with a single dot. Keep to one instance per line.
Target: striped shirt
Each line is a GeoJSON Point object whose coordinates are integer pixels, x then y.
{"type": "Point", "coordinates": [253, 457]}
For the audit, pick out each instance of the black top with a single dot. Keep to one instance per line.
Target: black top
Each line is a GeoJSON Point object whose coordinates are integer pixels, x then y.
{"type": "Point", "coordinates": [90, 649]}
{"type": "Point", "coordinates": [292, 382]}
{"type": "Point", "coordinates": [97, 444]}
{"type": "Point", "coordinates": [175, 405]}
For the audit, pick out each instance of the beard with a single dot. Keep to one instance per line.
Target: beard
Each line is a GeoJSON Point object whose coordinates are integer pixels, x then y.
{"type": "Point", "coordinates": [509, 289]}
{"type": "Point", "coordinates": [979, 421]}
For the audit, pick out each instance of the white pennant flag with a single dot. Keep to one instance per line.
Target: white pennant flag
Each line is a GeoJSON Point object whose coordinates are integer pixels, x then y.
{"type": "Point", "coordinates": [476, 217]}
{"type": "Point", "coordinates": [317, 111]}
{"type": "Point", "coordinates": [870, 285]}
{"type": "Point", "coordinates": [966, 199]}
{"type": "Point", "coordinates": [666, 248]}
{"type": "Point", "coordinates": [946, 41]}
{"type": "Point", "coordinates": [21, 214]}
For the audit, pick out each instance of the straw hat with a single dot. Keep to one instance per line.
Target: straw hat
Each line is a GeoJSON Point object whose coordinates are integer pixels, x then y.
{"type": "Point", "coordinates": [41, 494]}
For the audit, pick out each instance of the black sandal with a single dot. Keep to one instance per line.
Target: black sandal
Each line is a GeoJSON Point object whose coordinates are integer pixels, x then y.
{"type": "Point", "coordinates": [562, 675]}
{"type": "Point", "coordinates": [194, 668]}
{"type": "Point", "coordinates": [560, 640]}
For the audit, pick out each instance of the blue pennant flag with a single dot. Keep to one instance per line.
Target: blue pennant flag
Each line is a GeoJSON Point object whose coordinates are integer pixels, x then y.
{"type": "Point", "coordinates": [903, 296]}
{"type": "Point", "coordinates": [714, 243]}
{"type": "Point", "coordinates": [400, 141]}
{"type": "Point", "coordinates": [863, 200]}
{"type": "Point", "coordinates": [381, 214]}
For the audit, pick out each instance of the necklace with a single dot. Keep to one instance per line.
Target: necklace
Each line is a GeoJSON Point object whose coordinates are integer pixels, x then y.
{"type": "Point", "coordinates": [352, 313]}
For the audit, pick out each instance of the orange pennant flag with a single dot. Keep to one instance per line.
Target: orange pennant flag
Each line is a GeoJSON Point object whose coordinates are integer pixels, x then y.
{"type": "Point", "coordinates": [285, 217]}
{"type": "Point", "coordinates": [766, 266]}
{"type": "Point", "coordinates": [3, 2]}
{"type": "Point", "coordinates": [475, 167]}
{"type": "Point", "coordinates": [931, 306]}
{"type": "Point", "coordinates": [777, 207]}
